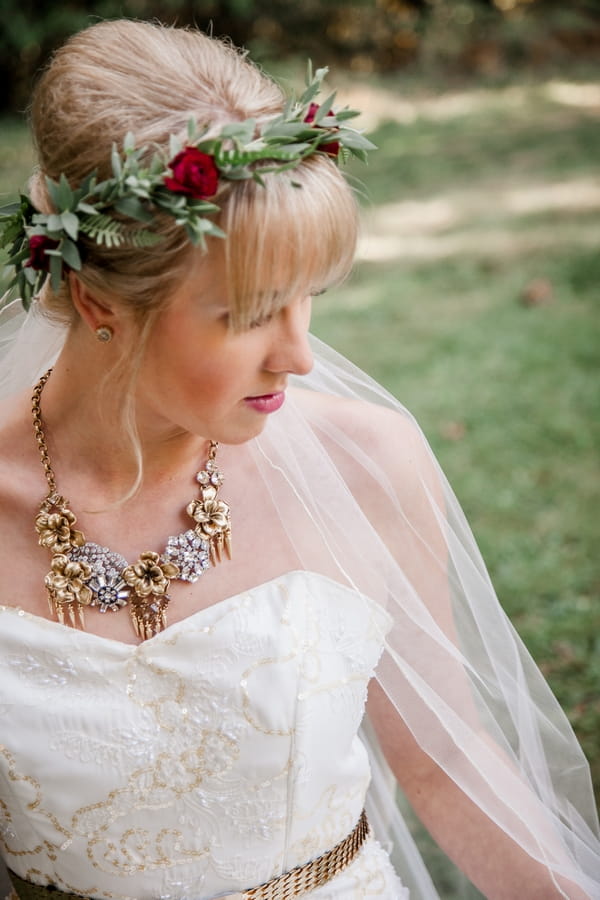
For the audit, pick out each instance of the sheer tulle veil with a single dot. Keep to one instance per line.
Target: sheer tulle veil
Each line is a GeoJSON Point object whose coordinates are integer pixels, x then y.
{"type": "Point", "coordinates": [362, 500]}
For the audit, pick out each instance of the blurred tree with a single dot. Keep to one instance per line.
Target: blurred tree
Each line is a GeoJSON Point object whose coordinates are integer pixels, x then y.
{"type": "Point", "coordinates": [366, 35]}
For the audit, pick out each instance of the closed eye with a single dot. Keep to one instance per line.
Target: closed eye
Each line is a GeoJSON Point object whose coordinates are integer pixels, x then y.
{"type": "Point", "coordinates": [260, 321]}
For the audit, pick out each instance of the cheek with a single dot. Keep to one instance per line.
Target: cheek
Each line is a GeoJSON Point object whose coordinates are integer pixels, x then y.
{"type": "Point", "coordinates": [209, 368]}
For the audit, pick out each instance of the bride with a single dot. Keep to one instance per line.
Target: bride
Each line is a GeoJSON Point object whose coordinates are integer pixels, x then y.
{"type": "Point", "coordinates": [218, 534]}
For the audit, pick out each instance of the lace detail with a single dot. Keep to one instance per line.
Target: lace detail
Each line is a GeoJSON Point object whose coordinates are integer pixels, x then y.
{"type": "Point", "coordinates": [172, 768]}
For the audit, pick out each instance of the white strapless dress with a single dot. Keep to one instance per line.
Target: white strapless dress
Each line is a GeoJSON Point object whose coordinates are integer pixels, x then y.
{"type": "Point", "coordinates": [207, 760]}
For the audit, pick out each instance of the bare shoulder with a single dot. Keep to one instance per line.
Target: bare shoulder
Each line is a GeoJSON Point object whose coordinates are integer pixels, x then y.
{"type": "Point", "coordinates": [382, 436]}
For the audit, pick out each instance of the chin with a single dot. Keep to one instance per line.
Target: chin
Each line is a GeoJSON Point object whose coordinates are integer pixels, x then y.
{"type": "Point", "coordinates": [236, 436]}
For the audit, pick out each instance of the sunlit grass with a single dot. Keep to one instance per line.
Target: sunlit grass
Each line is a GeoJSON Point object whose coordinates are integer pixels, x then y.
{"type": "Point", "coordinates": [476, 303]}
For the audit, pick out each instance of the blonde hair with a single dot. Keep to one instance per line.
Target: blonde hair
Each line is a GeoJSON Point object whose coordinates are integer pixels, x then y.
{"type": "Point", "coordinates": [297, 233]}
{"type": "Point", "coordinates": [121, 76]}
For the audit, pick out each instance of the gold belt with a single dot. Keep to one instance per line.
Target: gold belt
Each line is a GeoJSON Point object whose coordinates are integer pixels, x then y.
{"type": "Point", "coordinates": [300, 880]}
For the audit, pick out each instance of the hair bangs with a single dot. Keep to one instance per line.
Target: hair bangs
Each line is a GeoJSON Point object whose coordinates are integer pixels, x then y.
{"type": "Point", "coordinates": [293, 235]}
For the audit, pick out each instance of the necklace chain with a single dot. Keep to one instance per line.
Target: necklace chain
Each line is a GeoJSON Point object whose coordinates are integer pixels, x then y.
{"type": "Point", "coordinates": [39, 431]}
{"type": "Point", "coordinates": [85, 574]}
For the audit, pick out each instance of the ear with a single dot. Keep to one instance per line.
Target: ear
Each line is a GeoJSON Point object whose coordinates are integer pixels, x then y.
{"type": "Point", "coordinates": [94, 310]}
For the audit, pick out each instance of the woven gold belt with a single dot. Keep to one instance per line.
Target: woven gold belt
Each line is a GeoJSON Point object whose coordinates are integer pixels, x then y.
{"type": "Point", "coordinates": [297, 881]}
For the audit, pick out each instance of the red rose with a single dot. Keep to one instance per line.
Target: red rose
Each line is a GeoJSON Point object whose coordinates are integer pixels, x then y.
{"type": "Point", "coordinates": [194, 173]}
{"type": "Point", "coordinates": [313, 109]}
{"type": "Point", "coordinates": [333, 148]}
{"type": "Point", "coordinates": [38, 244]}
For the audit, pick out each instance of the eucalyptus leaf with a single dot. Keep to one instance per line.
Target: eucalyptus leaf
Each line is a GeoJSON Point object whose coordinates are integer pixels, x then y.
{"type": "Point", "coordinates": [129, 142]}
{"type": "Point", "coordinates": [324, 109]}
{"type": "Point", "coordinates": [309, 72]}
{"type": "Point", "coordinates": [286, 130]}
{"type": "Point", "coordinates": [359, 154]}
{"type": "Point", "coordinates": [70, 254]}
{"type": "Point", "coordinates": [56, 271]}
{"type": "Point", "coordinates": [65, 194]}
{"type": "Point", "coordinates": [54, 224]}
{"type": "Point", "coordinates": [343, 114]}
{"type": "Point", "coordinates": [70, 224]}
{"type": "Point", "coordinates": [115, 160]}
{"type": "Point", "coordinates": [87, 208]}
{"type": "Point", "coordinates": [175, 145]}
{"type": "Point", "coordinates": [244, 131]}
{"type": "Point", "coordinates": [354, 140]}
{"type": "Point", "coordinates": [53, 192]}
{"type": "Point", "coordinates": [132, 207]}
{"type": "Point", "coordinates": [136, 185]}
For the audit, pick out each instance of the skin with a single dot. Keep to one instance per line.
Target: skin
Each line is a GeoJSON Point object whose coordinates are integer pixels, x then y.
{"type": "Point", "coordinates": [196, 373]}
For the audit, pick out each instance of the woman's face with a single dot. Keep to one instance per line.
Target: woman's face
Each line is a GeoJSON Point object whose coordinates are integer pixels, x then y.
{"type": "Point", "coordinates": [200, 377]}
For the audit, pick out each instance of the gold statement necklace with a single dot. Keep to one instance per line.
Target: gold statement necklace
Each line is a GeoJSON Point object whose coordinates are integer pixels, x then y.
{"type": "Point", "coordinates": [85, 574]}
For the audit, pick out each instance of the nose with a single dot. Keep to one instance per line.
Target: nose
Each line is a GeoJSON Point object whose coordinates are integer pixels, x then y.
{"type": "Point", "coordinates": [290, 350]}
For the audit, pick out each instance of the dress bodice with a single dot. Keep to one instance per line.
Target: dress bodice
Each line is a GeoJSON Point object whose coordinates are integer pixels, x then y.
{"type": "Point", "coordinates": [207, 759]}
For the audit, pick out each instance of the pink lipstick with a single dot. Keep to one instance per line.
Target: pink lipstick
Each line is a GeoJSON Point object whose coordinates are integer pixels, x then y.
{"type": "Point", "coordinates": [267, 403]}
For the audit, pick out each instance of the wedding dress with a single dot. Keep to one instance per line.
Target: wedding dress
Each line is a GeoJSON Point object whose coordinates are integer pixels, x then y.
{"type": "Point", "coordinates": [208, 759]}
{"type": "Point", "coordinates": [225, 750]}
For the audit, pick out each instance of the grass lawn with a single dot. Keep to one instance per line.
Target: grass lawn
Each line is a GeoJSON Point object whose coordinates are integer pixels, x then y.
{"type": "Point", "coordinates": [475, 301]}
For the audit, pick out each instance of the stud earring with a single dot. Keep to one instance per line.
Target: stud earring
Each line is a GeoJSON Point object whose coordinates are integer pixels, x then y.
{"type": "Point", "coordinates": [104, 333]}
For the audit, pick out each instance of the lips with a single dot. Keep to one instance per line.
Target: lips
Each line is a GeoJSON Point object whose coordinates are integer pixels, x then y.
{"type": "Point", "coordinates": [266, 403]}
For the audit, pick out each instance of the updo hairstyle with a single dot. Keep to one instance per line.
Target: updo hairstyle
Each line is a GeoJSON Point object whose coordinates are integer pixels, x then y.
{"type": "Point", "coordinates": [295, 234]}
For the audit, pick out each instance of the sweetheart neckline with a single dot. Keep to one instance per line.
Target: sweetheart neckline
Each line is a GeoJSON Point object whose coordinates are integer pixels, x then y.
{"type": "Point", "coordinates": [42, 621]}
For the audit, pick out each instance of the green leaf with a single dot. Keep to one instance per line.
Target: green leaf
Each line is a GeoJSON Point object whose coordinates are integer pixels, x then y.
{"type": "Point", "coordinates": [87, 208]}
{"type": "Point", "coordinates": [309, 94]}
{"type": "Point", "coordinates": [354, 140]}
{"type": "Point", "coordinates": [342, 115]}
{"type": "Point", "coordinates": [215, 231]}
{"type": "Point", "coordinates": [65, 194]}
{"type": "Point", "coordinates": [134, 208]}
{"type": "Point", "coordinates": [175, 146]}
{"type": "Point", "coordinates": [53, 224]}
{"type": "Point", "coordinates": [359, 154]}
{"type": "Point", "coordinates": [70, 224]}
{"type": "Point", "coordinates": [242, 130]}
{"type": "Point", "coordinates": [285, 130]}
{"type": "Point", "coordinates": [308, 78]}
{"type": "Point", "coordinates": [29, 274]}
{"type": "Point", "coordinates": [56, 270]}
{"type": "Point", "coordinates": [70, 254]}
{"type": "Point", "coordinates": [157, 165]}
{"type": "Point", "coordinates": [129, 142]}
{"type": "Point", "coordinates": [53, 192]}
{"type": "Point", "coordinates": [324, 109]}
{"type": "Point", "coordinates": [116, 164]}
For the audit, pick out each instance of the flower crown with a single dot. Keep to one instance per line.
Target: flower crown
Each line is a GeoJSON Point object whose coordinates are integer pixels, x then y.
{"type": "Point", "coordinates": [40, 245]}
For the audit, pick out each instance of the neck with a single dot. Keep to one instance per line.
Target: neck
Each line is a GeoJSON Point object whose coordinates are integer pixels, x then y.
{"type": "Point", "coordinates": [81, 421]}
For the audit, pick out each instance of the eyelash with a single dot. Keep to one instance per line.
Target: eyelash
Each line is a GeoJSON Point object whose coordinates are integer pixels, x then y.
{"type": "Point", "coordinates": [263, 320]}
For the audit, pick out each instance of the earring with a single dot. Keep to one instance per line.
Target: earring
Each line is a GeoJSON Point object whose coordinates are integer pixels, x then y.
{"type": "Point", "coordinates": [104, 333]}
